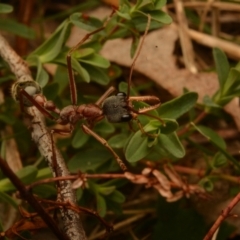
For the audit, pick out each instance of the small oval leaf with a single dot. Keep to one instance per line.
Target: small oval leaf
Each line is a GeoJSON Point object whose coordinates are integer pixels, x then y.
{"type": "Point", "coordinates": [178, 106]}
{"type": "Point", "coordinates": [137, 147]}
{"type": "Point", "coordinates": [171, 144]}
{"type": "Point", "coordinates": [5, 8]}
{"type": "Point", "coordinates": [101, 205]}
{"type": "Point", "coordinates": [80, 138]}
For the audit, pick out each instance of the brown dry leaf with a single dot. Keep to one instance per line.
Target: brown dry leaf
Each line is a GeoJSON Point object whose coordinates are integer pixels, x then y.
{"type": "Point", "coordinates": [157, 62]}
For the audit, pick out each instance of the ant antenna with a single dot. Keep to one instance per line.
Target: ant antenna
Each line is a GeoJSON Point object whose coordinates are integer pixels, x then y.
{"type": "Point", "coordinates": [137, 54]}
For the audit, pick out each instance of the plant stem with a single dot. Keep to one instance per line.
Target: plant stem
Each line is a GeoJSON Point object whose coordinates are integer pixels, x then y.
{"type": "Point", "coordinates": [71, 220]}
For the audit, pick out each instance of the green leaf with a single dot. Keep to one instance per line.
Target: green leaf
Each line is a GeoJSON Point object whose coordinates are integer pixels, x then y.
{"type": "Point", "coordinates": [144, 4]}
{"type": "Point", "coordinates": [211, 136]}
{"type": "Point", "coordinates": [44, 173]}
{"type": "Point", "coordinates": [61, 59]}
{"type": "Point", "coordinates": [219, 160]}
{"type": "Point", "coordinates": [217, 141]}
{"type": "Point", "coordinates": [19, 29]}
{"type": "Point", "coordinates": [101, 205]}
{"type": "Point", "coordinates": [26, 174]}
{"type": "Point", "coordinates": [233, 77]}
{"type": "Point", "coordinates": [4, 197]}
{"type": "Point", "coordinates": [171, 125]}
{"type": "Point", "coordinates": [89, 159]}
{"type": "Point", "coordinates": [118, 141]}
{"type": "Point", "coordinates": [106, 190]}
{"type": "Point", "coordinates": [222, 66]}
{"type": "Point", "coordinates": [3, 149]}
{"type": "Point", "coordinates": [45, 191]}
{"type": "Point", "coordinates": [81, 71]}
{"type": "Point", "coordinates": [96, 60]}
{"type": "Point", "coordinates": [124, 15]}
{"type": "Point", "coordinates": [61, 76]}
{"type": "Point", "coordinates": [50, 49]}
{"type": "Point", "coordinates": [137, 147]}
{"type": "Point", "coordinates": [42, 76]}
{"type": "Point", "coordinates": [177, 107]}
{"type": "Point", "coordinates": [160, 16]}
{"type": "Point", "coordinates": [171, 144]}
{"type": "Point", "coordinates": [79, 138]}
{"type": "Point", "coordinates": [97, 75]}
{"type": "Point", "coordinates": [208, 102]}
{"type": "Point", "coordinates": [6, 78]}
{"type": "Point", "coordinates": [207, 184]}
{"type": "Point", "coordinates": [81, 7]}
{"type": "Point", "coordinates": [79, 194]}
{"type": "Point", "coordinates": [117, 197]}
{"type": "Point", "coordinates": [160, 3]}
{"type": "Point", "coordinates": [87, 23]}
{"type": "Point", "coordinates": [7, 118]}
{"type": "Point", "coordinates": [5, 8]}
{"type": "Point", "coordinates": [105, 127]}
{"type": "Point", "coordinates": [83, 53]}
{"type": "Point", "coordinates": [224, 100]}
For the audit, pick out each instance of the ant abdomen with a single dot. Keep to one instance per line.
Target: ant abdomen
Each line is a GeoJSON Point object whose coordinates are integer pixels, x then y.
{"type": "Point", "coordinates": [115, 108]}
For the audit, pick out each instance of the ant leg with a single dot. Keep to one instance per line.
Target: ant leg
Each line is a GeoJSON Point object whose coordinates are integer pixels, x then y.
{"type": "Point", "coordinates": [21, 102]}
{"type": "Point", "coordinates": [22, 93]}
{"type": "Point", "coordinates": [141, 126]}
{"type": "Point", "coordinates": [137, 54]}
{"type": "Point", "coordinates": [72, 83]}
{"type": "Point", "coordinates": [87, 130]}
{"type": "Point", "coordinates": [144, 110]}
{"type": "Point", "coordinates": [146, 99]}
{"type": "Point", "coordinates": [71, 78]}
{"type": "Point", "coordinates": [105, 95]}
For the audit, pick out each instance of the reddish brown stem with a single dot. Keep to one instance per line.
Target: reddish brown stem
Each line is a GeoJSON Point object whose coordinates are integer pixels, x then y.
{"type": "Point", "coordinates": [25, 15]}
{"type": "Point", "coordinates": [26, 195]}
{"type": "Point", "coordinates": [74, 177]}
{"type": "Point", "coordinates": [225, 213]}
{"type": "Point", "coordinates": [197, 120]}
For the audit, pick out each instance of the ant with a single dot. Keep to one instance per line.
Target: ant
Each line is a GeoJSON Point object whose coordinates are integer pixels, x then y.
{"type": "Point", "coordinates": [116, 108]}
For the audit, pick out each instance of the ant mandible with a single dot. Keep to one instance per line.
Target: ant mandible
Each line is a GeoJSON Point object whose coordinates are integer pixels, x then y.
{"type": "Point", "coordinates": [117, 108]}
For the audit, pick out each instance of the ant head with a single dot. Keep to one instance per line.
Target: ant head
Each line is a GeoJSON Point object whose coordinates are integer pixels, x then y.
{"type": "Point", "coordinates": [116, 109]}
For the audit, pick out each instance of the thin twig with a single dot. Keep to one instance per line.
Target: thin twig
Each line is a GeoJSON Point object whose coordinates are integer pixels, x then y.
{"type": "Point", "coordinates": [28, 196]}
{"type": "Point", "coordinates": [225, 213]}
{"type": "Point", "coordinates": [226, 6]}
{"type": "Point", "coordinates": [204, 14]}
{"type": "Point", "coordinates": [186, 44]}
{"type": "Point", "coordinates": [120, 225]}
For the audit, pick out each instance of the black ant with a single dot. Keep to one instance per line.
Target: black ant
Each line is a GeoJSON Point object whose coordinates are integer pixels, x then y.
{"type": "Point", "coordinates": [116, 109]}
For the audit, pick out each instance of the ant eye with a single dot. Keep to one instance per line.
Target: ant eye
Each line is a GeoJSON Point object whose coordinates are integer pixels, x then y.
{"type": "Point", "coordinates": [121, 94]}
{"type": "Point", "coordinates": [126, 117]}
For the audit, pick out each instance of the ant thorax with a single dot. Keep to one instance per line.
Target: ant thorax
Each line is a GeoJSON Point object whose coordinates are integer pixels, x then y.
{"type": "Point", "coordinates": [71, 114]}
{"type": "Point", "coordinates": [115, 108]}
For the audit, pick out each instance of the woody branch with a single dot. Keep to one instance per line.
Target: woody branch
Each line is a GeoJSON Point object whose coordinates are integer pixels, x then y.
{"type": "Point", "coordinates": [70, 219]}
